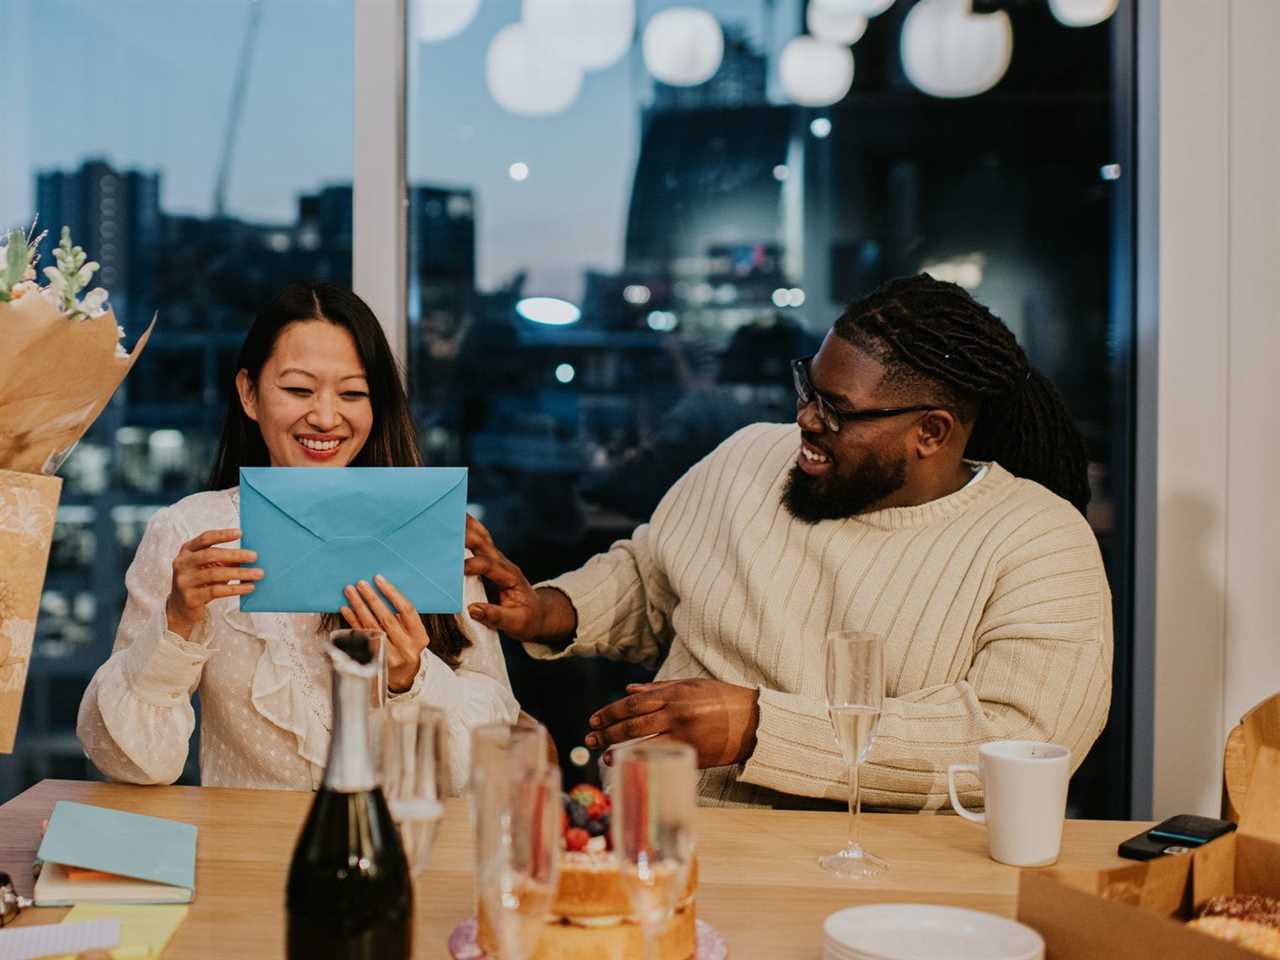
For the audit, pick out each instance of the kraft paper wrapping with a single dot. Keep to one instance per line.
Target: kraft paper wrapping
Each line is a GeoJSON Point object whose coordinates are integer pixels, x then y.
{"type": "Point", "coordinates": [56, 376]}
{"type": "Point", "coordinates": [28, 509]}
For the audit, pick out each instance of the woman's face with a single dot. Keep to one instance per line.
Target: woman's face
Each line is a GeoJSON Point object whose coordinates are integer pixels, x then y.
{"type": "Point", "coordinates": [311, 401]}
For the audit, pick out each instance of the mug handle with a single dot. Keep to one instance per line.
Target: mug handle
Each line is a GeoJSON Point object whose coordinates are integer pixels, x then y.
{"type": "Point", "coordinates": [952, 771]}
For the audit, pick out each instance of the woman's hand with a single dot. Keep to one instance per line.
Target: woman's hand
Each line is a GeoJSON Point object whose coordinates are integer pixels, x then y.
{"type": "Point", "coordinates": [203, 572]}
{"type": "Point", "coordinates": [406, 636]}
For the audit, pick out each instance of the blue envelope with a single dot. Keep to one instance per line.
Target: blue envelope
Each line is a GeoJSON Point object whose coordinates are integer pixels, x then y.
{"type": "Point", "coordinates": [317, 529]}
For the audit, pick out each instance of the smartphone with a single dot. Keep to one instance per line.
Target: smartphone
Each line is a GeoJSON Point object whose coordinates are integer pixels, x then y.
{"type": "Point", "coordinates": [1180, 834]}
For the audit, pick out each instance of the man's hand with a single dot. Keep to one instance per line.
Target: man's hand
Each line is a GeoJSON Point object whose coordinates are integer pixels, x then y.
{"type": "Point", "coordinates": [717, 719]}
{"type": "Point", "coordinates": [514, 607]}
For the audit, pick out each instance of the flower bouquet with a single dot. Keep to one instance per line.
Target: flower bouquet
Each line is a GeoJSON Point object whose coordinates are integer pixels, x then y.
{"type": "Point", "coordinates": [62, 360]}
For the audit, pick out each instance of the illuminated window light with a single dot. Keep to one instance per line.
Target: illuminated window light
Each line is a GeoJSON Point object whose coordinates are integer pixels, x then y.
{"type": "Point", "coordinates": [549, 310]}
{"type": "Point", "coordinates": [637, 294]}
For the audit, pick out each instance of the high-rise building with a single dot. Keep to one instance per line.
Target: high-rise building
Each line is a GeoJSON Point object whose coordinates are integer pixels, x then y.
{"type": "Point", "coordinates": [320, 245]}
{"type": "Point", "coordinates": [740, 81]}
{"type": "Point", "coordinates": [115, 216]}
{"type": "Point", "coordinates": [325, 218]}
{"type": "Point", "coordinates": [442, 251]}
{"type": "Point", "coordinates": [707, 224]}
{"type": "Point", "coordinates": [442, 297]}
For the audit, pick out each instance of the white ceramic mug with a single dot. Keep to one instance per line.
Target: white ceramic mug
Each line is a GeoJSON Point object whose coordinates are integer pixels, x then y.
{"type": "Point", "coordinates": [1025, 782]}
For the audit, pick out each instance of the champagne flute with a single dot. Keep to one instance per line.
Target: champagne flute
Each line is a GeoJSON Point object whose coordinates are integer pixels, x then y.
{"type": "Point", "coordinates": [855, 695]}
{"type": "Point", "coordinates": [654, 798]}
{"type": "Point", "coordinates": [414, 775]}
{"type": "Point", "coordinates": [518, 815]}
{"type": "Point", "coordinates": [506, 746]}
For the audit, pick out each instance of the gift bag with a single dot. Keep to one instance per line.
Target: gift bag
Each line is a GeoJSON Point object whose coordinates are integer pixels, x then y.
{"type": "Point", "coordinates": [28, 509]}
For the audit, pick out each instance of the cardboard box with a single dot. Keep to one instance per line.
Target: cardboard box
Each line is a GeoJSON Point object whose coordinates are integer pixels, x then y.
{"type": "Point", "coordinates": [28, 509]}
{"type": "Point", "coordinates": [1140, 911]}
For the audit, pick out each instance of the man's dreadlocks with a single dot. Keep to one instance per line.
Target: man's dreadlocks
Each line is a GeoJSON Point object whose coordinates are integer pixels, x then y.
{"type": "Point", "coordinates": [932, 335]}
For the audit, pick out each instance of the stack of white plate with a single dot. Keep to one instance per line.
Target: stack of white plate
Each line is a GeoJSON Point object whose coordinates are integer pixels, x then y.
{"type": "Point", "coordinates": [912, 931]}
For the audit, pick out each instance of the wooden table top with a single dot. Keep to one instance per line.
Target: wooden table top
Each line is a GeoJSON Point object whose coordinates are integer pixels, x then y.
{"type": "Point", "coordinates": [760, 885]}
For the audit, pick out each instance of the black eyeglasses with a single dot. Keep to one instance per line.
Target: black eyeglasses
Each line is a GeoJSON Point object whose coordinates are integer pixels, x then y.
{"type": "Point", "coordinates": [833, 419]}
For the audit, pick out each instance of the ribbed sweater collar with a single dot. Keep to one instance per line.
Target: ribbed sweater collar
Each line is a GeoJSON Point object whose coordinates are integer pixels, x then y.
{"type": "Point", "coordinates": [997, 482]}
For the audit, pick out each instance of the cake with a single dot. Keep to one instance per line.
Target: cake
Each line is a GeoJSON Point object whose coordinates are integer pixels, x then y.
{"type": "Point", "coordinates": [590, 914]}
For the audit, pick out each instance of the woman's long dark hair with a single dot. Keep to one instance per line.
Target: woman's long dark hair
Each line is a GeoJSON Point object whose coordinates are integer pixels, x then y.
{"type": "Point", "coordinates": [932, 334]}
{"type": "Point", "coordinates": [392, 442]}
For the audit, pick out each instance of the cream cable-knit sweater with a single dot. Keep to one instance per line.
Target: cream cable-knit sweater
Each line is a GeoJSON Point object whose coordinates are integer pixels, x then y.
{"type": "Point", "coordinates": [993, 602]}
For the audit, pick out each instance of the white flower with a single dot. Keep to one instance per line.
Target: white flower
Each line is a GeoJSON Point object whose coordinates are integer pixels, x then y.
{"type": "Point", "coordinates": [92, 302]}
{"type": "Point", "coordinates": [86, 272]}
{"type": "Point", "coordinates": [57, 280]}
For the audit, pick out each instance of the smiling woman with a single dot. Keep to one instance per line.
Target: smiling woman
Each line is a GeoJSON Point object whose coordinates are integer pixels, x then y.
{"type": "Point", "coordinates": [316, 386]}
{"type": "Point", "coordinates": [315, 376]}
{"type": "Point", "coordinates": [311, 399]}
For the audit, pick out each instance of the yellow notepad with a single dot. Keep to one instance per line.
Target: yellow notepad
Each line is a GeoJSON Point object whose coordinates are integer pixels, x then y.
{"type": "Point", "coordinates": [145, 930]}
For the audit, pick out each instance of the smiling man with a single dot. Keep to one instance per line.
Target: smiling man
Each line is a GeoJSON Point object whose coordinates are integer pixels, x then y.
{"type": "Point", "coordinates": [931, 492]}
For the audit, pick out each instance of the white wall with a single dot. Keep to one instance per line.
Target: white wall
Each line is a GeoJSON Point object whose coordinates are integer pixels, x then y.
{"type": "Point", "coordinates": [1218, 472]}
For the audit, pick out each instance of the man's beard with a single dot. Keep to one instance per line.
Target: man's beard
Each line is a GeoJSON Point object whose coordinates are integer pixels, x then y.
{"type": "Point", "coordinates": [837, 497]}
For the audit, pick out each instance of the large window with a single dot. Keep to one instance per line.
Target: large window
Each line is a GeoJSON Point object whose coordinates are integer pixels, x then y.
{"type": "Point", "coordinates": [608, 272]}
{"type": "Point", "coordinates": [608, 267]}
{"type": "Point", "coordinates": [202, 154]}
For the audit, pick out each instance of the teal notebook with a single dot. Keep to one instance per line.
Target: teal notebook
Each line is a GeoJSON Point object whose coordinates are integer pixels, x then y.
{"type": "Point", "coordinates": [149, 859]}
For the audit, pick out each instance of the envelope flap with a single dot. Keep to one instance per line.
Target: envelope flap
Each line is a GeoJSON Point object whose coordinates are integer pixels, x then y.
{"type": "Point", "coordinates": [430, 586]}
{"type": "Point", "coordinates": [413, 491]}
{"type": "Point", "coordinates": [273, 484]}
{"type": "Point", "coordinates": [352, 501]}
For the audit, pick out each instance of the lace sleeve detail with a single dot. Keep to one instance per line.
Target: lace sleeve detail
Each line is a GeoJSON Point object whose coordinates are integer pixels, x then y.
{"type": "Point", "coordinates": [478, 692]}
{"type": "Point", "coordinates": [136, 719]}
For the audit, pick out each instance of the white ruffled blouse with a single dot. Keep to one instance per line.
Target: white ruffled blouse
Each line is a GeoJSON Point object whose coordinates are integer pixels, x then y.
{"type": "Point", "coordinates": [263, 679]}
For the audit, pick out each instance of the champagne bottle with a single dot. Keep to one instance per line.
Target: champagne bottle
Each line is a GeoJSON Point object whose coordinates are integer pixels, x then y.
{"type": "Point", "coordinates": [349, 894]}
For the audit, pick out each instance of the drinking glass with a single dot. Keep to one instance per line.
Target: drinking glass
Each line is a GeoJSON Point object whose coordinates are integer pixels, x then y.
{"type": "Point", "coordinates": [855, 695]}
{"type": "Point", "coordinates": [502, 745]}
{"type": "Point", "coordinates": [518, 815]}
{"type": "Point", "coordinates": [415, 771]}
{"type": "Point", "coordinates": [654, 798]}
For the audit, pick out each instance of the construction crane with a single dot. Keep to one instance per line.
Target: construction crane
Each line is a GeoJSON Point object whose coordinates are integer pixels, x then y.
{"type": "Point", "coordinates": [237, 107]}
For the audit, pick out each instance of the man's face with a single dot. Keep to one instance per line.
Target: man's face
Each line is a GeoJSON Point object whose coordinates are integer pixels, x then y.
{"type": "Point", "coordinates": [839, 475]}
